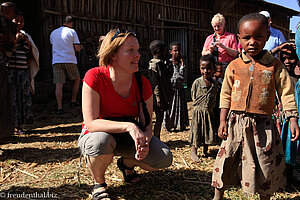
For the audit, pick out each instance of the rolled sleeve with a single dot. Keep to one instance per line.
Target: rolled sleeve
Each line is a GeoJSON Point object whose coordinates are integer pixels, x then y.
{"type": "Point", "coordinates": [285, 89]}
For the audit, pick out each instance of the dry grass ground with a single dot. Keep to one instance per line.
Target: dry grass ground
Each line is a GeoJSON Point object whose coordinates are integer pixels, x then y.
{"type": "Point", "coordinates": [46, 161]}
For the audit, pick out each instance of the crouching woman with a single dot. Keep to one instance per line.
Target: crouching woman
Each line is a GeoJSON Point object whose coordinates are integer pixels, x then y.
{"type": "Point", "coordinates": [115, 122]}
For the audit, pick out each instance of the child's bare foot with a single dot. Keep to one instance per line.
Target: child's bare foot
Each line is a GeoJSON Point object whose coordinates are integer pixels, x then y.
{"type": "Point", "coordinates": [195, 157]}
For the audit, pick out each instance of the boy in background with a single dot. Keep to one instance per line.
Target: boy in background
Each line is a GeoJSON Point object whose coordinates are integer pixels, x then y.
{"type": "Point", "coordinates": [159, 75]}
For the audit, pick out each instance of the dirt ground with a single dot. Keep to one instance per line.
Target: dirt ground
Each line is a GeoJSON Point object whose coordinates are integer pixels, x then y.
{"type": "Point", "coordinates": [45, 163]}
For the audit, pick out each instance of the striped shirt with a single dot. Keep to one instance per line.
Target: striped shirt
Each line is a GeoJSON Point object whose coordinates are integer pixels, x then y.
{"type": "Point", "coordinates": [19, 58]}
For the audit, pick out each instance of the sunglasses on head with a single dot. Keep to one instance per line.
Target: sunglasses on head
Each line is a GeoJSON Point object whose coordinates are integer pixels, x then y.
{"type": "Point", "coordinates": [122, 30]}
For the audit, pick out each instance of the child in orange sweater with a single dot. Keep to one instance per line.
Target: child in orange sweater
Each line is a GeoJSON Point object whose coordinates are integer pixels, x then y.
{"type": "Point", "coordinates": [251, 151]}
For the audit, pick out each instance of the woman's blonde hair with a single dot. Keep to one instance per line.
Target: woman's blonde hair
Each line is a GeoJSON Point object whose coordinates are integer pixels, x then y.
{"type": "Point", "coordinates": [111, 44]}
{"type": "Point", "coordinates": [218, 18]}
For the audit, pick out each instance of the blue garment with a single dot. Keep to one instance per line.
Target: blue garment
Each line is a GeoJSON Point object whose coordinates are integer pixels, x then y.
{"type": "Point", "coordinates": [297, 42]}
{"type": "Point", "coordinates": [291, 148]}
{"type": "Point", "coordinates": [276, 39]}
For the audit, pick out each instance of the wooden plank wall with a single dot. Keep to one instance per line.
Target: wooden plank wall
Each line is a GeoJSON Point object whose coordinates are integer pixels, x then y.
{"type": "Point", "coordinates": [148, 18]}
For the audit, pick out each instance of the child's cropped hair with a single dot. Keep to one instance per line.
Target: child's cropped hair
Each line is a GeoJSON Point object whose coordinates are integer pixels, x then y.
{"type": "Point", "coordinates": [209, 58]}
{"type": "Point", "coordinates": [156, 45]}
{"type": "Point", "coordinates": [254, 17]}
{"type": "Point", "coordinates": [8, 5]}
{"type": "Point", "coordinates": [174, 44]}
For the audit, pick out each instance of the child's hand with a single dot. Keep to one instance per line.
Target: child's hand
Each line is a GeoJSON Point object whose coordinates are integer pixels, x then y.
{"type": "Point", "coordinates": [222, 132]}
{"type": "Point", "coordinates": [294, 128]}
{"type": "Point", "coordinates": [287, 47]}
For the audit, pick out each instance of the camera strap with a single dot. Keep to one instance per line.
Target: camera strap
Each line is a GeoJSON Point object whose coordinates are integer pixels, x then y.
{"type": "Point", "coordinates": [138, 78]}
{"type": "Point", "coordinates": [215, 52]}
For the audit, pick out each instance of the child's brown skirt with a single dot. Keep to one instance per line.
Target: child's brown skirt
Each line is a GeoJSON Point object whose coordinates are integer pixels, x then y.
{"type": "Point", "coordinates": [252, 154]}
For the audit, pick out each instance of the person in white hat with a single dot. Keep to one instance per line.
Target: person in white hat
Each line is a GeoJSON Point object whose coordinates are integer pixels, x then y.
{"type": "Point", "coordinates": [276, 37]}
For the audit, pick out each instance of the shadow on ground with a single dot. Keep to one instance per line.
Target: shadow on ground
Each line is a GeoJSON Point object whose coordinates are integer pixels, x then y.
{"type": "Point", "coordinates": [177, 144]}
{"type": "Point", "coordinates": [50, 118]}
{"type": "Point", "coordinates": [32, 137]}
{"type": "Point", "coordinates": [40, 156]}
{"type": "Point", "coordinates": [167, 184]}
{"type": "Point", "coordinates": [163, 185]}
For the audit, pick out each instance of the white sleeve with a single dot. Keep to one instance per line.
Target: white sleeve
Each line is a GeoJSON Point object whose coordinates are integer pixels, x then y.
{"type": "Point", "coordinates": [75, 38]}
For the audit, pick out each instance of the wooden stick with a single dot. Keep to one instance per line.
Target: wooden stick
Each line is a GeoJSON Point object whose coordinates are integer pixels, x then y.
{"type": "Point", "coordinates": [27, 173]}
{"type": "Point", "coordinates": [5, 178]}
{"type": "Point", "coordinates": [184, 162]}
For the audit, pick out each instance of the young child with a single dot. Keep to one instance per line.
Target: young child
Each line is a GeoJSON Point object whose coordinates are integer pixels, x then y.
{"type": "Point", "coordinates": [251, 151]}
{"type": "Point", "coordinates": [23, 65]}
{"type": "Point", "coordinates": [289, 58]}
{"type": "Point", "coordinates": [177, 116]}
{"type": "Point", "coordinates": [159, 75]}
{"type": "Point", "coordinates": [218, 76]}
{"type": "Point", "coordinates": [219, 73]}
{"type": "Point", "coordinates": [204, 95]}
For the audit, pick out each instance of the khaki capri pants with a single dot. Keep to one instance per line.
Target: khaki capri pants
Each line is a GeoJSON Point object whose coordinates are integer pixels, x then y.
{"type": "Point", "coordinates": [121, 144]}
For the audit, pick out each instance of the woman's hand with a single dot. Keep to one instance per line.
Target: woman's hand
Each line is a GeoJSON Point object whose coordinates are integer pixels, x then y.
{"type": "Point", "coordinates": [230, 51]}
{"type": "Point", "coordinates": [212, 47]}
{"type": "Point", "coordinates": [142, 152]}
{"type": "Point", "coordinates": [222, 131]}
{"type": "Point", "coordinates": [219, 44]}
{"type": "Point", "coordinates": [141, 141]}
{"type": "Point", "coordinates": [294, 129]}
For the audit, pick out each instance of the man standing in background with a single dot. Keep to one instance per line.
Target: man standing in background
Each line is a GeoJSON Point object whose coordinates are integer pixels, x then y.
{"type": "Point", "coordinates": [65, 42]}
{"type": "Point", "coordinates": [276, 37]}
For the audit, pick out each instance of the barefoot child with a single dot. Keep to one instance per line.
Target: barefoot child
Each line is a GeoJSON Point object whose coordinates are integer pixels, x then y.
{"type": "Point", "coordinates": [251, 151]}
{"type": "Point", "coordinates": [204, 95]}
{"type": "Point", "coordinates": [176, 117]}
